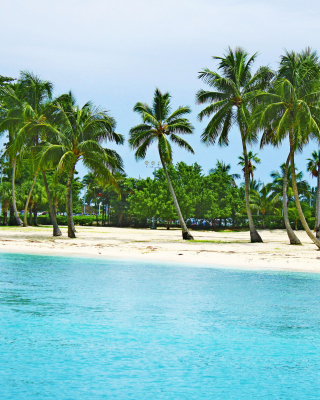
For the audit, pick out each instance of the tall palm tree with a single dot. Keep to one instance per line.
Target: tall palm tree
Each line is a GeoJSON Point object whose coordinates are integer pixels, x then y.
{"type": "Point", "coordinates": [76, 133]}
{"type": "Point", "coordinates": [290, 110]}
{"type": "Point", "coordinates": [35, 94]}
{"type": "Point", "coordinates": [161, 126]}
{"type": "Point", "coordinates": [251, 167]}
{"type": "Point", "coordinates": [231, 99]}
{"type": "Point", "coordinates": [314, 167]}
{"type": "Point", "coordinates": [11, 113]}
{"type": "Point", "coordinates": [26, 101]}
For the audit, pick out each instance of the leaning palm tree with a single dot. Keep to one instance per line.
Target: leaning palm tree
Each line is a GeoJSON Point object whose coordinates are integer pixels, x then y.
{"type": "Point", "coordinates": [10, 121]}
{"type": "Point", "coordinates": [290, 110]}
{"type": "Point", "coordinates": [35, 94]}
{"type": "Point", "coordinates": [231, 99]}
{"type": "Point", "coordinates": [251, 167]}
{"type": "Point", "coordinates": [314, 168]}
{"type": "Point", "coordinates": [76, 133]}
{"type": "Point", "coordinates": [159, 126]}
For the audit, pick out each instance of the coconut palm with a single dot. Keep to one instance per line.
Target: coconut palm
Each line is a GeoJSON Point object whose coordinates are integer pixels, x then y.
{"type": "Point", "coordinates": [35, 94]}
{"type": "Point", "coordinates": [231, 98]}
{"type": "Point", "coordinates": [11, 107]}
{"type": "Point", "coordinates": [295, 216]}
{"type": "Point", "coordinates": [93, 191]}
{"type": "Point", "coordinates": [290, 110]}
{"type": "Point", "coordinates": [314, 167]}
{"type": "Point", "coordinates": [251, 167]}
{"type": "Point", "coordinates": [26, 101]}
{"type": "Point", "coordinates": [76, 133]}
{"type": "Point", "coordinates": [161, 126]}
{"type": "Point", "coordinates": [261, 202]}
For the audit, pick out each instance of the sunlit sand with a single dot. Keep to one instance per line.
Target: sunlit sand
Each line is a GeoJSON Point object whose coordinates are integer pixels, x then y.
{"type": "Point", "coordinates": [210, 249]}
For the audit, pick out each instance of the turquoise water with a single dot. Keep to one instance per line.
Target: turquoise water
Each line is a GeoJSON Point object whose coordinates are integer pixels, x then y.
{"type": "Point", "coordinates": [90, 329]}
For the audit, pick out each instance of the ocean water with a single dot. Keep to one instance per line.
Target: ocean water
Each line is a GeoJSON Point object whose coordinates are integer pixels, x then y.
{"type": "Point", "coordinates": [74, 328]}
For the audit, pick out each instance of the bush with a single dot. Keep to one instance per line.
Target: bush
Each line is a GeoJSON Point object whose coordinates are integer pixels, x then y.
{"type": "Point", "coordinates": [44, 219]}
{"type": "Point", "coordinates": [83, 220]}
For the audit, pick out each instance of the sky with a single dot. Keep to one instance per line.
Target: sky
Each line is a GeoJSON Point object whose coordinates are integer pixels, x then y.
{"type": "Point", "coordinates": [115, 53]}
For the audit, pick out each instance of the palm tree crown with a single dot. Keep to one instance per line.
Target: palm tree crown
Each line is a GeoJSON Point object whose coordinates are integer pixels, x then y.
{"type": "Point", "coordinates": [160, 125]}
{"type": "Point", "coordinates": [231, 95]}
{"type": "Point", "coordinates": [76, 133]}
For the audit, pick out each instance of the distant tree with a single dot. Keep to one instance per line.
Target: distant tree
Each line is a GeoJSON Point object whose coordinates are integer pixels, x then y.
{"type": "Point", "coordinates": [314, 167]}
{"type": "Point", "coordinates": [251, 167]}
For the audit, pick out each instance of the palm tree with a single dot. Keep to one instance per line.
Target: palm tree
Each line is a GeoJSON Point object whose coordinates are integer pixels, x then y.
{"type": "Point", "coordinates": [75, 134]}
{"type": "Point", "coordinates": [251, 167]}
{"type": "Point", "coordinates": [11, 106]}
{"type": "Point", "coordinates": [314, 167]}
{"type": "Point", "coordinates": [290, 109]}
{"type": "Point", "coordinates": [161, 125]}
{"type": "Point", "coordinates": [26, 101]}
{"type": "Point", "coordinates": [93, 191]}
{"type": "Point", "coordinates": [36, 95]}
{"type": "Point", "coordinates": [231, 98]}
{"type": "Point", "coordinates": [261, 201]}
{"type": "Point", "coordinates": [295, 216]}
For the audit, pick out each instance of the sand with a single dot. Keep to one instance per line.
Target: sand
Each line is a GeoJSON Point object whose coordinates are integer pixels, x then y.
{"type": "Point", "coordinates": [210, 249]}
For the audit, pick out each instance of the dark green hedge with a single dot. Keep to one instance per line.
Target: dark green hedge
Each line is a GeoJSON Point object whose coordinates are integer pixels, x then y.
{"type": "Point", "coordinates": [83, 220]}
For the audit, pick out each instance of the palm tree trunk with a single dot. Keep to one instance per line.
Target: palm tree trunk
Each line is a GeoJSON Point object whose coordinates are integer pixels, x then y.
{"type": "Point", "coordinates": [292, 236]}
{"type": "Point", "coordinates": [318, 202]}
{"type": "Point", "coordinates": [5, 217]}
{"type": "Point", "coordinates": [71, 230]}
{"type": "Point", "coordinates": [16, 214]}
{"type": "Point", "coordinates": [53, 214]}
{"type": "Point", "coordinates": [35, 214]}
{"type": "Point", "coordinates": [186, 235]}
{"type": "Point", "coordinates": [296, 194]}
{"type": "Point", "coordinates": [254, 235]}
{"type": "Point", "coordinates": [30, 214]}
{"type": "Point", "coordinates": [25, 217]}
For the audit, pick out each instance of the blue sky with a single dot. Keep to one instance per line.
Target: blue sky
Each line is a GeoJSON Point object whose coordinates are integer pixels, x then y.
{"type": "Point", "coordinates": [115, 53]}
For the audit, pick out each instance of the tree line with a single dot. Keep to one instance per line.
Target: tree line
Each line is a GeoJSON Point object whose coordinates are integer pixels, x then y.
{"type": "Point", "coordinates": [48, 136]}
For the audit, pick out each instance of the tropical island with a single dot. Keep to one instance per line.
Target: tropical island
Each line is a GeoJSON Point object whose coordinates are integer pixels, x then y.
{"type": "Point", "coordinates": [47, 137]}
{"type": "Point", "coordinates": [194, 283]}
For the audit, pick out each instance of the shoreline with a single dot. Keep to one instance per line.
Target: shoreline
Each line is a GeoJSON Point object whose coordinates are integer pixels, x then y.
{"type": "Point", "coordinates": [228, 250]}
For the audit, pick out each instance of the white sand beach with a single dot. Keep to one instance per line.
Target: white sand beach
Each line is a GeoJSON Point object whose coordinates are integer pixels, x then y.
{"type": "Point", "coordinates": [210, 249]}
